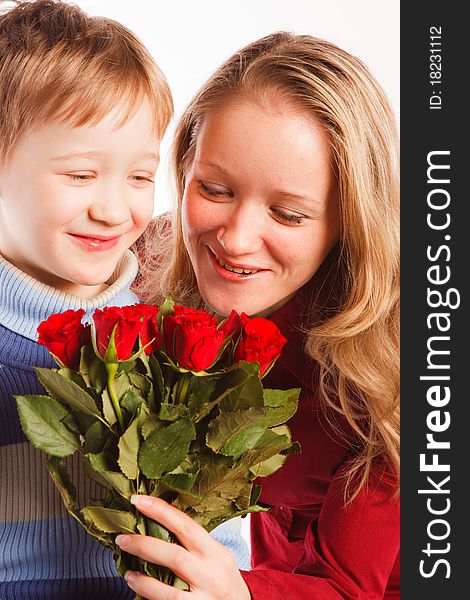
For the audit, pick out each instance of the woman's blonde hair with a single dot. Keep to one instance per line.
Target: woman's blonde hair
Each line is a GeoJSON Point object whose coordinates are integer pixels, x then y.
{"type": "Point", "coordinates": [59, 63]}
{"type": "Point", "coordinates": [355, 340]}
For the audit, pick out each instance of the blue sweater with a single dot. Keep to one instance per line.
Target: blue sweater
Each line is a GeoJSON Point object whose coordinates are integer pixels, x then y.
{"type": "Point", "coordinates": [44, 553]}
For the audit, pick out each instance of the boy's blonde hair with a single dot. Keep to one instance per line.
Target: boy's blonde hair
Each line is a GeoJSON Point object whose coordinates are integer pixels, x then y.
{"type": "Point", "coordinates": [352, 332]}
{"type": "Point", "coordinates": [59, 63]}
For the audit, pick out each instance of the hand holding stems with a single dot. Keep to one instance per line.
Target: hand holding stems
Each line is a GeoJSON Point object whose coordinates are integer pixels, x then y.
{"type": "Point", "coordinates": [207, 566]}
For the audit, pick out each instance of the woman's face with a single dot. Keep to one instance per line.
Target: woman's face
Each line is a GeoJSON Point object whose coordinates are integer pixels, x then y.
{"type": "Point", "coordinates": [260, 209]}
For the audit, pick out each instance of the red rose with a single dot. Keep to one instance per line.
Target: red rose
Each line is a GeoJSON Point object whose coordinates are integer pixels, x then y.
{"type": "Point", "coordinates": [149, 330]}
{"type": "Point", "coordinates": [232, 325]}
{"type": "Point", "coordinates": [260, 341]}
{"type": "Point", "coordinates": [192, 338]}
{"type": "Point", "coordinates": [130, 322]}
{"type": "Point", "coordinates": [64, 335]}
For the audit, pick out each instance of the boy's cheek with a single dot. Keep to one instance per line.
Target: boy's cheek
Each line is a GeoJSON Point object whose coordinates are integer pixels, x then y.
{"type": "Point", "coordinates": [143, 214]}
{"type": "Point", "coordinates": [140, 227]}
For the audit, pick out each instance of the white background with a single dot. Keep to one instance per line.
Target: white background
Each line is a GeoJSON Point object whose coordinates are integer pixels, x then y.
{"type": "Point", "coordinates": [190, 38]}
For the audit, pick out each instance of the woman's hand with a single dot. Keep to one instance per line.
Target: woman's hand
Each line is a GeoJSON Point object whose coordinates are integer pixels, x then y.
{"type": "Point", "coordinates": [208, 567]}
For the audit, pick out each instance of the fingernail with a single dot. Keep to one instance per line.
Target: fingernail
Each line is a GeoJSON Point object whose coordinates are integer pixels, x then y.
{"type": "Point", "coordinates": [129, 576]}
{"type": "Point", "coordinates": [123, 540]}
{"type": "Point", "coordinates": [141, 500]}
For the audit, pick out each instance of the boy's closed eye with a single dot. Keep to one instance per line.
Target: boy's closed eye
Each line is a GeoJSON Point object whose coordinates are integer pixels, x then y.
{"type": "Point", "coordinates": [142, 178]}
{"type": "Point", "coordinates": [82, 178]}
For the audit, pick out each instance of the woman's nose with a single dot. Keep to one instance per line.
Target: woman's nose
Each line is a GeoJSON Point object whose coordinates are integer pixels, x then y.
{"type": "Point", "coordinates": [242, 233]}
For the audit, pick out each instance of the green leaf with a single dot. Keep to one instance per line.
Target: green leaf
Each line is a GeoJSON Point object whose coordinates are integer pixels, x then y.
{"type": "Point", "coordinates": [272, 442]}
{"type": "Point", "coordinates": [157, 377]}
{"type": "Point", "coordinates": [93, 370]}
{"type": "Point", "coordinates": [157, 531]}
{"type": "Point", "coordinates": [83, 421]}
{"type": "Point", "coordinates": [118, 503]}
{"type": "Point", "coordinates": [95, 438]}
{"type": "Point", "coordinates": [131, 402]}
{"type": "Point", "coordinates": [110, 479]}
{"type": "Point", "coordinates": [126, 366]}
{"type": "Point", "coordinates": [212, 523]}
{"type": "Point", "coordinates": [151, 400]}
{"type": "Point", "coordinates": [69, 392]}
{"type": "Point", "coordinates": [218, 479]}
{"type": "Point", "coordinates": [93, 474]}
{"type": "Point", "coordinates": [151, 424]}
{"type": "Point", "coordinates": [249, 394]}
{"type": "Point", "coordinates": [164, 450]}
{"type": "Point", "coordinates": [201, 391]}
{"type": "Point", "coordinates": [275, 398]}
{"type": "Point", "coordinates": [296, 448]}
{"type": "Point", "coordinates": [232, 434]}
{"type": "Point", "coordinates": [41, 420]}
{"type": "Point", "coordinates": [60, 476]}
{"type": "Point", "coordinates": [103, 461]}
{"type": "Point", "coordinates": [210, 507]}
{"type": "Point", "coordinates": [108, 410]}
{"type": "Point", "coordinates": [140, 383]}
{"type": "Point", "coordinates": [179, 584]}
{"type": "Point", "coordinates": [172, 412]}
{"type": "Point", "coordinates": [128, 449]}
{"type": "Point", "coordinates": [220, 388]}
{"type": "Point", "coordinates": [122, 383]}
{"type": "Point", "coordinates": [109, 520]}
{"type": "Point", "coordinates": [128, 562]}
{"type": "Point", "coordinates": [278, 415]}
{"type": "Point", "coordinates": [255, 494]}
{"type": "Point", "coordinates": [179, 482]}
{"type": "Point", "coordinates": [72, 424]}
{"type": "Point", "coordinates": [269, 466]}
{"type": "Point", "coordinates": [72, 375]}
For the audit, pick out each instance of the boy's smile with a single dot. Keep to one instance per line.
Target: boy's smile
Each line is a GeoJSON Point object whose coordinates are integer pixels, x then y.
{"type": "Point", "coordinates": [94, 243]}
{"type": "Point", "coordinates": [72, 200]}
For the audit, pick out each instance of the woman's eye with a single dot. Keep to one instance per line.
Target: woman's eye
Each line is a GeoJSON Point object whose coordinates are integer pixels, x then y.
{"type": "Point", "coordinates": [292, 218]}
{"type": "Point", "coordinates": [214, 191]}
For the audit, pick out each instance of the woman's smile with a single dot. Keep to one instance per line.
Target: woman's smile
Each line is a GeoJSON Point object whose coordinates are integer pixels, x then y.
{"type": "Point", "coordinates": [231, 271]}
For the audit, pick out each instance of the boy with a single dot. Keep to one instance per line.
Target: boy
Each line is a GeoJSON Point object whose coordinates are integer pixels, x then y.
{"type": "Point", "coordinates": [83, 109]}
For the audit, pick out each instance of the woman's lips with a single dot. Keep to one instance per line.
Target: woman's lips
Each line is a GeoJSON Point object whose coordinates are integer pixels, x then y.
{"type": "Point", "coordinates": [96, 244]}
{"type": "Point", "coordinates": [230, 275]}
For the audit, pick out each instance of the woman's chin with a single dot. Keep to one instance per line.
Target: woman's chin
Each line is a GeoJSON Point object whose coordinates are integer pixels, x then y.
{"type": "Point", "coordinates": [223, 305]}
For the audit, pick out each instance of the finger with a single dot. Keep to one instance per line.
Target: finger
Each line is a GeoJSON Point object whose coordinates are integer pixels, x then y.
{"type": "Point", "coordinates": [152, 589]}
{"type": "Point", "coordinates": [175, 557]}
{"type": "Point", "coordinates": [189, 533]}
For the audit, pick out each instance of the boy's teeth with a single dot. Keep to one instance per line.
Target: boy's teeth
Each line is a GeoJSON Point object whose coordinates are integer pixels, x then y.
{"type": "Point", "coordinates": [235, 269]}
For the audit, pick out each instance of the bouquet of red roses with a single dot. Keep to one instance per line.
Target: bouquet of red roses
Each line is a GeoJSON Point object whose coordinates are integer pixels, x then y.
{"type": "Point", "coordinates": [164, 401]}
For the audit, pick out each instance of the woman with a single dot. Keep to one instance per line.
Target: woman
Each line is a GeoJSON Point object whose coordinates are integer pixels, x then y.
{"type": "Point", "coordinates": [286, 164]}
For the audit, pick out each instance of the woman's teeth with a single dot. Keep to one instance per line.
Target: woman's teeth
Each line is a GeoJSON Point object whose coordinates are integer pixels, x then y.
{"type": "Point", "coordinates": [235, 269]}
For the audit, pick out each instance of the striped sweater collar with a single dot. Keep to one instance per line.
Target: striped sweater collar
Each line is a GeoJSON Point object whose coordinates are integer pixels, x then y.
{"type": "Point", "coordinates": [25, 302]}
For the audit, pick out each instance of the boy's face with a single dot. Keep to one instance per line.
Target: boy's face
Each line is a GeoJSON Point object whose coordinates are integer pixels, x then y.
{"type": "Point", "coordinates": [72, 200]}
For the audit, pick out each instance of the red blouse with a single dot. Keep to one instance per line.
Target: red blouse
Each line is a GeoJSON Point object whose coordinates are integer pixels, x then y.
{"type": "Point", "coordinates": [308, 545]}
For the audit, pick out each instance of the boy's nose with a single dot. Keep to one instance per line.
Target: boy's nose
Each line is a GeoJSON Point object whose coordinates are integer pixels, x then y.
{"type": "Point", "coordinates": [242, 233]}
{"type": "Point", "coordinates": [111, 208]}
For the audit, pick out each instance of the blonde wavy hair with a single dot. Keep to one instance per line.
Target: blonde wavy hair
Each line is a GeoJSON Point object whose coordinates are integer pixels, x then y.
{"type": "Point", "coordinates": [355, 340]}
